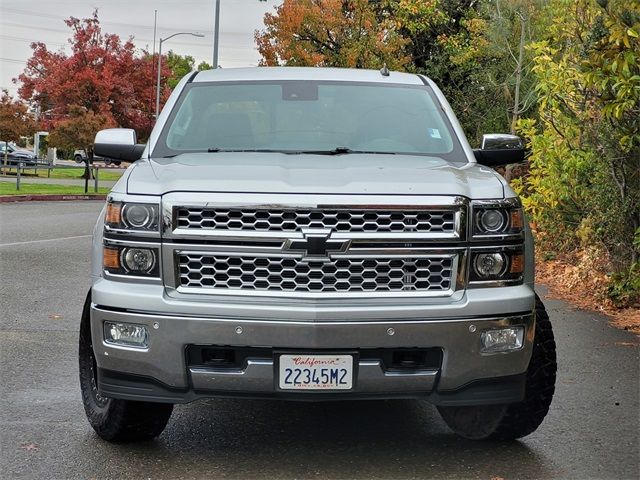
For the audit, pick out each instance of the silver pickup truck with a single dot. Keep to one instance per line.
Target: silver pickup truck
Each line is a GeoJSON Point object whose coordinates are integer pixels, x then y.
{"type": "Point", "coordinates": [313, 234]}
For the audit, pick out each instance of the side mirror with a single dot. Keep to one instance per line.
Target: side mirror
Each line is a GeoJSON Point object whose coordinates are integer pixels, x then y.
{"type": "Point", "coordinates": [118, 144]}
{"type": "Point", "coordinates": [499, 149]}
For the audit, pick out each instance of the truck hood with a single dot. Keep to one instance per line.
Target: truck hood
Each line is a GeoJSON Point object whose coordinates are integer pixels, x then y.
{"type": "Point", "coordinates": [358, 174]}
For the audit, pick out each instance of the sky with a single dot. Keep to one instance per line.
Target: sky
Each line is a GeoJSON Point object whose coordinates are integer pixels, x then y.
{"type": "Point", "coordinates": [26, 21]}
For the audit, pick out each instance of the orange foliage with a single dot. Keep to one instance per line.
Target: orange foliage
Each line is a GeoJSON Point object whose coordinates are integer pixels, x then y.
{"type": "Point", "coordinates": [339, 33]}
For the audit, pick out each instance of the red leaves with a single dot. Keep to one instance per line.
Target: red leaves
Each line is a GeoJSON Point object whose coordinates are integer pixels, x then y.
{"type": "Point", "coordinates": [102, 75]}
{"type": "Point", "coordinates": [14, 119]}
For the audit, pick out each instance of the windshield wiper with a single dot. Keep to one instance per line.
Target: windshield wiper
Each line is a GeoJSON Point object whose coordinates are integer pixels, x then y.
{"type": "Point", "coordinates": [233, 150]}
{"type": "Point", "coordinates": [343, 151]}
{"type": "Point", "coordinates": [335, 151]}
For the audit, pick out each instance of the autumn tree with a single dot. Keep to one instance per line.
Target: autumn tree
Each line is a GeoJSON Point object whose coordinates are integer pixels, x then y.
{"type": "Point", "coordinates": [338, 33]}
{"type": "Point", "coordinates": [15, 120]}
{"type": "Point", "coordinates": [79, 129]}
{"type": "Point", "coordinates": [102, 74]}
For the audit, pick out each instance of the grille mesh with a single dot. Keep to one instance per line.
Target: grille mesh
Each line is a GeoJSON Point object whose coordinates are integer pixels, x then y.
{"type": "Point", "coordinates": [339, 220]}
{"type": "Point", "coordinates": [295, 275]}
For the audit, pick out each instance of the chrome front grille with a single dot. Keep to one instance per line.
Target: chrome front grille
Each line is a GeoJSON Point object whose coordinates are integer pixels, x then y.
{"type": "Point", "coordinates": [286, 274]}
{"type": "Point", "coordinates": [314, 246]}
{"type": "Point", "coordinates": [338, 220]}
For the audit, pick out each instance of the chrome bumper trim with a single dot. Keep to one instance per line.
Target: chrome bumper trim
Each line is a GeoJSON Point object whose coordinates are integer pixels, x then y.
{"type": "Point", "coordinates": [258, 377]}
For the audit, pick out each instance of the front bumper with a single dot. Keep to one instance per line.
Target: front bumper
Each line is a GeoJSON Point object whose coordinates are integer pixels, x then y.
{"type": "Point", "coordinates": [161, 373]}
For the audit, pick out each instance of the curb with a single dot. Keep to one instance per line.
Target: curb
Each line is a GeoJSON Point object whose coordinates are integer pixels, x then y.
{"type": "Point", "coordinates": [49, 198]}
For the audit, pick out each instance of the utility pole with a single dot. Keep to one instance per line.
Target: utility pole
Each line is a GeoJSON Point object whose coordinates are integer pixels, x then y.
{"type": "Point", "coordinates": [216, 32]}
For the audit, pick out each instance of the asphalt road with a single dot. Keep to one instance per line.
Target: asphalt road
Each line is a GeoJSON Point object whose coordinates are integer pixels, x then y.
{"type": "Point", "coordinates": [590, 432]}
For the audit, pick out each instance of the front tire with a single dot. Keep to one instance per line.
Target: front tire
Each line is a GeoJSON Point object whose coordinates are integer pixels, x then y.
{"type": "Point", "coordinates": [508, 422]}
{"type": "Point", "coordinates": [114, 420]}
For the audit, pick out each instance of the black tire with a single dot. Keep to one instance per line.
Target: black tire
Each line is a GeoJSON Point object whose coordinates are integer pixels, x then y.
{"type": "Point", "coordinates": [115, 420]}
{"type": "Point", "coordinates": [508, 422]}
{"type": "Point", "coordinates": [107, 161]}
{"type": "Point", "coordinates": [78, 158]}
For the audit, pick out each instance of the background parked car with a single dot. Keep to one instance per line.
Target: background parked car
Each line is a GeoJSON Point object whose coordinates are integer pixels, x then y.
{"type": "Point", "coordinates": [80, 156]}
{"type": "Point", "coordinates": [16, 154]}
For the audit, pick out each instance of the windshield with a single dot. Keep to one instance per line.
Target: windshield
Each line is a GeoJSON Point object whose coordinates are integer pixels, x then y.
{"type": "Point", "coordinates": [308, 117]}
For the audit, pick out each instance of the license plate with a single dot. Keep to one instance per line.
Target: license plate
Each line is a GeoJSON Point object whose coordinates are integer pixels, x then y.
{"type": "Point", "coordinates": [315, 372]}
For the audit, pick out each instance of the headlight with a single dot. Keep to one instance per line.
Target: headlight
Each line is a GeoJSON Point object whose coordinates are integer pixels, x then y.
{"type": "Point", "coordinates": [496, 266]}
{"type": "Point", "coordinates": [491, 220]}
{"type": "Point", "coordinates": [489, 264]}
{"type": "Point", "coordinates": [139, 215]}
{"type": "Point", "coordinates": [499, 218]}
{"type": "Point", "coordinates": [140, 262]}
{"type": "Point", "coordinates": [132, 216]}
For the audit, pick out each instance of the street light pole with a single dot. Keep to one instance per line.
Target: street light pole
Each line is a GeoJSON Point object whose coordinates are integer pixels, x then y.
{"type": "Point", "coordinates": [158, 81]}
{"type": "Point", "coordinates": [216, 32]}
{"type": "Point", "coordinates": [200, 35]}
{"type": "Point", "coordinates": [153, 57]}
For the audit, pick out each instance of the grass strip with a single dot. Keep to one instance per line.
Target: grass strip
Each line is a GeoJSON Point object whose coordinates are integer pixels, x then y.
{"type": "Point", "coordinates": [9, 188]}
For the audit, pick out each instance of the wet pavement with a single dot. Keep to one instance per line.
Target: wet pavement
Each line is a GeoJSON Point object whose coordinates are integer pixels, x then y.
{"type": "Point", "coordinates": [591, 431]}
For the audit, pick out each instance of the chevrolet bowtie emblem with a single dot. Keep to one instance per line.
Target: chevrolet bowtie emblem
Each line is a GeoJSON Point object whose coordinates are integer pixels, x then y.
{"type": "Point", "coordinates": [317, 244]}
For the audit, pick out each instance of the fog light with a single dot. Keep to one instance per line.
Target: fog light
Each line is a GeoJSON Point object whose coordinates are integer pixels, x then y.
{"type": "Point", "coordinates": [502, 340]}
{"type": "Point", "coordinates": [126, 334]}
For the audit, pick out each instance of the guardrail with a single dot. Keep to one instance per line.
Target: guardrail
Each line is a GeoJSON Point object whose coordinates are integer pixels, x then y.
{"type": "Point", "coordinates": [20, 167]}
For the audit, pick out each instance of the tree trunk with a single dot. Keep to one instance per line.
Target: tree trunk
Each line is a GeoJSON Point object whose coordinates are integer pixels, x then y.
{"type": "Point", "coordinates": [516, 96]}
{"type": "Point", "coordinates": [508, 173]}
{"type": "Point", "coordinates": [6, 154]}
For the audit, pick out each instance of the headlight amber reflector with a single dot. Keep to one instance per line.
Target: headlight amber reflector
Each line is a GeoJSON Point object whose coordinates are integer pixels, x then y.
{"type": "Point", "coordinates": [111, 258]}
{"type": "Point", "coordinates": [517, 219]}
{"type": "Point", "coordinates": [517, 263]}
{"type": "Point", "coordinates": [113, 213]}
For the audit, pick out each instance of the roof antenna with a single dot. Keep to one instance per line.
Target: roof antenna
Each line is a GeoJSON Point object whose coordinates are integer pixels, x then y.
{"type": "Point", "coordinates": [384, 71]}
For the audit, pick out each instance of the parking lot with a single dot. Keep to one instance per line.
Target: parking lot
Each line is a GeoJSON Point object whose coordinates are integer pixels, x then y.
{"type": "Point", "coordinates": [591, 431]}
